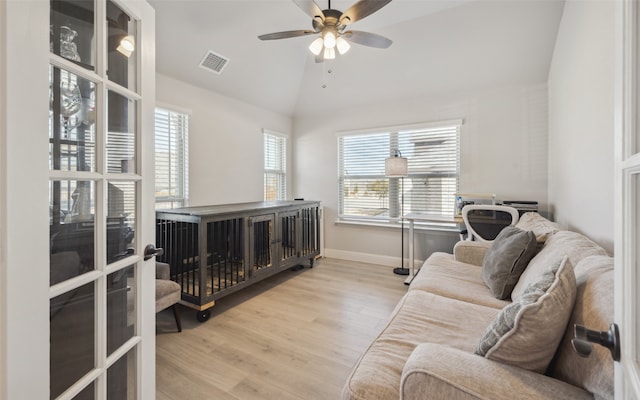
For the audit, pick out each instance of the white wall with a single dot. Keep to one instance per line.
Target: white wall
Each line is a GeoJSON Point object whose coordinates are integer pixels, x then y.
{"type": "Point", "coordinates": [581, 90]}
{"type": "Point", "coordinates": [226, 161]}
{"type": "Point", "coordinates": [503, 151]}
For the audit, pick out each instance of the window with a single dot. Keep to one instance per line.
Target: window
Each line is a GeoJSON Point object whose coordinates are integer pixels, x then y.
{"type": "Point", "coordinates": [275, 166]}
{"type": "Point", "coordinates": [172, 158]}
{"type": "Point", "coordinates": [433, 152]}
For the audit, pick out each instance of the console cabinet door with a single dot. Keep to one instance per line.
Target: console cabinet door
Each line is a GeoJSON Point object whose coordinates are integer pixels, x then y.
{"type": "Point", "coordinates": [262, 244]}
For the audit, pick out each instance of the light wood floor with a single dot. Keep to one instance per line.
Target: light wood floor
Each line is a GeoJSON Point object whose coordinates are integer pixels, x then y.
{"type": "Point", "coordinates": [296, 335]}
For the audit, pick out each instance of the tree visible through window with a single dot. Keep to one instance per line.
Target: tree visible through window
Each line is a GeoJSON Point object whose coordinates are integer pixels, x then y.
{"type": "Point", "coordinates": [433, 156]}
{"type": "Point", "coordinates": [275, 166]}
{"type": "Point", "coordinates": [172, 158]}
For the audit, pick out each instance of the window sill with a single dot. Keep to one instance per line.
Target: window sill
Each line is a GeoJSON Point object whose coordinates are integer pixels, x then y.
{"type": "Point", "coordinates": [418, 226]}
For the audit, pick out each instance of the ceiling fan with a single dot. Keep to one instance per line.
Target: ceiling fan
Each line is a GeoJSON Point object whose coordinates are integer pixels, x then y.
{"type": "Point", "coordinates": [331, 25]}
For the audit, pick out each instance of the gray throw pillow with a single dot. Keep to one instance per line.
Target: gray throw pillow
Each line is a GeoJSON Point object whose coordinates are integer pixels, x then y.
{"type": "Point", "coordinates": [527, 332]}
{"type": "Point", "coordinates": [506, 259]}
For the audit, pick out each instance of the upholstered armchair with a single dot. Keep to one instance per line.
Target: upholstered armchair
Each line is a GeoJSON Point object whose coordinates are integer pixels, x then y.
{"type": "Point", "coordinates": [167, 292]}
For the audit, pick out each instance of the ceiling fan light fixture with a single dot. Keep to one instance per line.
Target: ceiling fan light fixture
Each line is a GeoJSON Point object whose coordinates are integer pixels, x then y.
{"type": "Point", "coordinates": [329, 53]}
{"type": "Point", "coordinates": [316, 46]}
{"type": "Point", "coordinates": [330, 25]}
{"type": "Point", "coordinates": [342, 45]}
{"type": "Point", "coordinates": [329, 40]}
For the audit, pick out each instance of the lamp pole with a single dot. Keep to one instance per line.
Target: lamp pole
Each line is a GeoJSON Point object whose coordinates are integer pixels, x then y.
{"type": "Point", "coordinates": [397, 167]}
{"type": "Point", "coordinates": [401, 270]}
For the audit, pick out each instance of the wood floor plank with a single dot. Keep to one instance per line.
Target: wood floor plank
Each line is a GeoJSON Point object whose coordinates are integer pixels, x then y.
{"type": "Point", "coordinates": [294, 336]}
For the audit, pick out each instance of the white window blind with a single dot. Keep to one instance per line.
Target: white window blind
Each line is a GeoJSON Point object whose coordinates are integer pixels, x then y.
{"type": "Point", "coordinates": [275, 166]}
{"type": "Point", "coordinates": [172, 158]}
{"type": "Point", "coordinates": [433, 154]}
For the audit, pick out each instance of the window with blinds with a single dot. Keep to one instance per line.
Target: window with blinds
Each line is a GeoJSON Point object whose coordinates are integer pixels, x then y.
{"type": "Point", "coordinates": [433, 154]}
{"type": "Point", "coordinates": [275, 166]}
{"type": "Point", "coordinates": [172, 158]}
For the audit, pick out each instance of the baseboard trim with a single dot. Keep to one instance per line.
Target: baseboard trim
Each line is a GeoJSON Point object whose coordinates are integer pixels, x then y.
{"type": "Point", "coordinates": [388, 261]}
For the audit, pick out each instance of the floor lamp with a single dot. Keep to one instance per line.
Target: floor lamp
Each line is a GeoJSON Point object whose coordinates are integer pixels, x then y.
{"type": "Point", "coordinates": [396, 167]}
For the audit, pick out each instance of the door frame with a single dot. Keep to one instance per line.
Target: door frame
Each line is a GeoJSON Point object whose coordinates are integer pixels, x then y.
{"type": "Point", "coordinates": [24, 215]}
{"type": "Point", "coordinates": [627, 196]}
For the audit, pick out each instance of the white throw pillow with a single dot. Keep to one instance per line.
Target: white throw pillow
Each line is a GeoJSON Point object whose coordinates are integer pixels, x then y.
{"type": "Point", "coordinates": [527, 332]}
{"type": "Point", "coordinates": [539, 225]}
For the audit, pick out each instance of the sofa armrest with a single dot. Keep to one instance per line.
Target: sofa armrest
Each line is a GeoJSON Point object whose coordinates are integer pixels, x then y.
{"type": "Point", "coordinates": [163, 271]}
{"type": "Point", "coordinates": [435, 371]}
{"type": "Point", "coordinates": [470, 252]}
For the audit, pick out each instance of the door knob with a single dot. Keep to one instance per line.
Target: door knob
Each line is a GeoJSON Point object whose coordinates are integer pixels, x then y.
{"type": "Point", "coordinates": [150, 250]}
{"type": "Point", "coordinates": [583, 337]}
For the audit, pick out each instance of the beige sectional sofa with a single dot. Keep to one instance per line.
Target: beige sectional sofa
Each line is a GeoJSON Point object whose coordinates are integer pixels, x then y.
{"type": "Point", "coordinates": [428, 348]}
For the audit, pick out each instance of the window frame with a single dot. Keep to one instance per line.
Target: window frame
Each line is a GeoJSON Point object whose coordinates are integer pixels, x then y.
{"type": "Point", "coordinates": [182, 199]}
{"type": "Point", "coordinates": [281, 174]}
{"type": "Point", "coordinates": [394, 185]}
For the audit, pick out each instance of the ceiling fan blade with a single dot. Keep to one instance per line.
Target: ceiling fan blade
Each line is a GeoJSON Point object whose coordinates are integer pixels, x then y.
{"type": "Point", "coordinates": [285, 34]}
{"type": "Point", "coordinates": [368, 39]}
{"type": "Point", "coordinates": [361, 9]}
{"type": "Point", "coordinates": [310, 8]}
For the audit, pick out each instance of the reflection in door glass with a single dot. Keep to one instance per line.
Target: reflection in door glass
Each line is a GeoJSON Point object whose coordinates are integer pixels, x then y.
{"type": "Point", "coordinates": [121, 135]}
{"type": "Point", "coordinates": [71, 31]}
{"type": "Point", "coordinates": [121, 311]}
{"type": "Point", "coordinates": [121, 218]}
{"type": "Point", "coordinates": [72, 325]}
{"type": "Point", "coordinates": [71, 229]}
{"type": "Point", "coordinates": [121, 377]}
{"type": "Point", "coordinates": [72, 120]}
{"type": "Point", "coordinates": [122, 51]}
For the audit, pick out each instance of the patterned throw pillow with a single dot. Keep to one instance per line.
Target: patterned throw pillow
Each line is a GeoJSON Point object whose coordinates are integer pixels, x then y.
{"type": "Point", "coordinates": [506, 259]}
{"type": "Point", "coordinates": [527, 332]}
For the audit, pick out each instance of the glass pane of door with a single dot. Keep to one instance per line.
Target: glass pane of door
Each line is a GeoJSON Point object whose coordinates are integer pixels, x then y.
{"type": "Point", "coordinates": [71, 122]}
{"type": "Point", "coordinates": [121, 308]}
{"type": "Point", "coordinates": [121, 47]}
{"type": "Point", "coordinates": [121, 136]}
{"type": "Point", "coordinates": [72, 337]}
{"type": "Point", "coordinates": [71, 31]}
{"type": "Point", "coordinates": [71, 229]}
{"type": "Point", "coordinates": [121, 377]}
{"type": "Point", "coordinates": [121, 219]}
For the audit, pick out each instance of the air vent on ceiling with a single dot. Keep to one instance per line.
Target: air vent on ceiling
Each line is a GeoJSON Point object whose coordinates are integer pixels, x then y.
{"type": "Point", "coordinates": [214, 62]}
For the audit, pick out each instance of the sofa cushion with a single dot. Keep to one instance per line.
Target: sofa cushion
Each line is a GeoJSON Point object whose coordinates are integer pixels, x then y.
{"type": "Point", "coordinates": [539, 225]}
{"type": "Point", "coordinates": [572, 244]}
{"type": "Point", "coordinates": [593, 309]}
{"type": "Point", "coordinates": [420, 317]}
{"type": "Point", "coordinates": [437, 372]}
{"type": "Point", "coordinates": [505, 260]}
{"type": "Point", "coordinates": [527, 332]}
{"type": "Point", "coordinates": [441, 274]}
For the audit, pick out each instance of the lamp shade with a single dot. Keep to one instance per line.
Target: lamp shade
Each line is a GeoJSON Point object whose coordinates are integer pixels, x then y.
{"type": "Point", "coordinates": [395, 167]}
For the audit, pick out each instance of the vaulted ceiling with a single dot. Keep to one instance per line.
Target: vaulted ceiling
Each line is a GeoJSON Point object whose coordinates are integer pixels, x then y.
{"type": "Point", "coordinates": [439, 46]}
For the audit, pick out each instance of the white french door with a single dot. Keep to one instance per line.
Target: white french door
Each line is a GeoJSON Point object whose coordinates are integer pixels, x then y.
{"type": "Point", "coordinates": [627, 197]}
{"type": "Point", "coordinates": [76, 204]}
